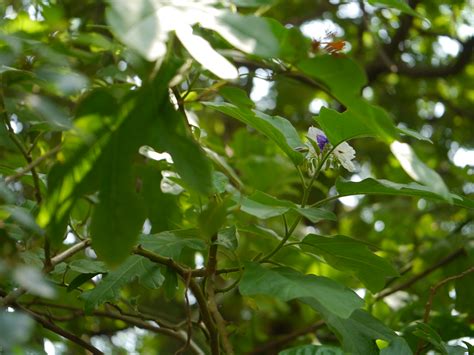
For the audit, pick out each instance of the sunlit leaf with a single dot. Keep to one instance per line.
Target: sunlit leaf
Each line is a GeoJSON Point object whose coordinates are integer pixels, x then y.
{"type": "Point", "coordinates": [278, 129]}
{"type": "Point", "coordinates": [418, 170]}
{"type": "Point", "coordinates": [384, 187]}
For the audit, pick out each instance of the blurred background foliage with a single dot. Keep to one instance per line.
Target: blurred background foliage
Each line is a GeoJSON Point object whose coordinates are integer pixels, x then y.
{"type": "Point", "coordinates": [421, 72]}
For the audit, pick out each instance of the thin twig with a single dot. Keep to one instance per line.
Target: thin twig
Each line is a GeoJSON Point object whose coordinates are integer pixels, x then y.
{"type": "Point", "coordinates": [32, 165]}
{"type": "Point", "coordinates": [429, 303]}
{"type": "Point", "coordinates": [421, 275]}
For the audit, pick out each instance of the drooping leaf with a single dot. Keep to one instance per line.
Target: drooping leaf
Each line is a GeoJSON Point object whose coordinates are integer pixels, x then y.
{"type": "Point", "coordinates": [427, 333]}
{"type": "Point", "coordinates": [109, 288]}
{"type": "Point", "coordinates": [162, 209]}
{"type": "Point", "coordinates": [276, 128]}
{"type": "Point", "coordinates": [73, 175]}
{"type": "Point", "coordinates": [236, 96]}
{"type": "Point", "coordinates": [371, 186]}
{"type": "Point", "coordinates": [287, 284]}
{"type": "Point", "coordinates": [203, 53]}
{"type": "Point", "coordinates": [418, 170]}
{"type": "Point", "coordinates": [251, 34]}
{"type": "Point", "coordinates": [80, 280]}
{"type": "Point", "coordinates": [347, 254]}
{"type": "Point", "coordinates": [119, 216]}
{"type": "Point", "coordinates": [359, 332]}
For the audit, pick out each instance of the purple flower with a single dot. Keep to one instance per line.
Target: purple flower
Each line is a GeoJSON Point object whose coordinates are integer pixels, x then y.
{"type": "Point", "coordinates": [318, 136]}
{"type": "Point", "coordinates": [322, 140]}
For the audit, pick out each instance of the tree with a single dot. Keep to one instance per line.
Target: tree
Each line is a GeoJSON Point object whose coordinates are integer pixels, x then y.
{"type": "Point", "coordinates": [247, 176]}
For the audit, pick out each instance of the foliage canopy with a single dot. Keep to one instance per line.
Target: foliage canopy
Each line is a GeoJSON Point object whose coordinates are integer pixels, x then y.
{"type": "Point", "coordinates": [246, 176]}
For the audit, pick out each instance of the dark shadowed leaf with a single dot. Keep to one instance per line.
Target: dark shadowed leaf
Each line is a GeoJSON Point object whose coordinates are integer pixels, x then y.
{"type": "Point", "coordinates": [347, 254]}
{"type": "Point", "coordinates": [287, 284]}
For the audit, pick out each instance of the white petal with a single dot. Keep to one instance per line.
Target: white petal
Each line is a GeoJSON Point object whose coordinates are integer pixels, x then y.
{"type": "Point", "coordinates": [313, 132]}
{"type": "Point", "coordinates": [345, 153]}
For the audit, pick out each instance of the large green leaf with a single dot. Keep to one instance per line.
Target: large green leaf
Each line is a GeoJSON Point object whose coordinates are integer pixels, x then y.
{"type": "Point", "coordinates": [171, 243]}
{"type": "Point", "coordinates": [334, 73]}
{"type": "Point", "coordinates": [109, 288]}
{"type": "Point", "coordinates": [73, 174]}
{"type": "Point", "coordinates": [384, 187]}
{"type": "Point", "coordinates": [418, 170]}
{"type": "Point", "coordinates": [119, 216]}
{"type": "Point", "coordinates": [362, 120]}
{"type": "Point", "coordinates": [287, 284]}
{"type": "Point", "coordinates": [263, 206]}
{"type": "Point", "coordinates": [347, 254]}
{"type": "Point", "coordinates": [278, 129]}
{"type": "Point", "coordinates": [359, 332]}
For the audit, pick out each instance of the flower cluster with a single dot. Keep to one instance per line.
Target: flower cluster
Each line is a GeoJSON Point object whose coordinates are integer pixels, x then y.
{"type": "Point", "coordinates": [318, 144]}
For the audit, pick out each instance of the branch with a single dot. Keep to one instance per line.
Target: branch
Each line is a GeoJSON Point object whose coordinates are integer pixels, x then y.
{"type": "Point", "coordinates": [423, 274]}
{"type": "Point", "coordinates": [13, 295]}
{"type": "Point", "coordinates": [32, 165]}
{"type": "Point", "coordinates": [429, 303]}
{"type": "Point", "coordinates": [462, 60]}
{"type": "Point", "coordinates": [46, 323]}
{"type": "Point", "coordinates": [183, 273]}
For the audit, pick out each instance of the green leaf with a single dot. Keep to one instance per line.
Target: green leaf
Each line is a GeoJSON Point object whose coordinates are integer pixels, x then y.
{"type": "Point", "coordinates": [384, 187]}
{"type": "Point", "coordinates": [427, 333]}
{"type": "Point", "coordinates": [171, 243]}
{"type": "Point", "coordinates": [362, 120]}
{"type": "Point", "coordinates": [263, 206]}
{"type": "Point", "coordinates": [162, 209]}
{"type": "Point", "coordinates": [85, 266]}
{"type": "Point", "coordinates": [418, 170]}
{"type": "Point", "coordinates": [347, 254]}
{"type": "Point", "coordinates": [137, 25]}
{"type": "Point", "coordinates": [212, 218]}
{"type": "Point", "coordinates": [236, 96]}
{"type": "Point", "coordinates": [109, 288]}
{"type": "Point", "coordinates": [118, 218]}
{"type": "Point", "coordinates": [414, 134]}
{"type": "Point", "coordinates": [250, 34]}
{"type": "Point", "coordinates": [276, 128]}
{"type": "Point", "coordinates": [359, 332]}
{"type": "Point", "coordinates": [312, 350]}
{"type": "Point", "coordinates": [72, 175]}
{"type": "Point", "coordinates": [203, 53]}
{"type": "Point", "coordinates": [23, 217]}
{"type": "Point", "coordinates": [287, 284]}
{"type": "Point", "coordinates": [316, 214]}
{"type": "Point", "coordinates": [334, 73]}
{"type": "Point", "coordinates": [227, 237]}
{"type": "Point", "coordinates": [80, 280]}
{"type": "Point", "coordinates": [190, 160]}
{"type": "Point", "coordinates": [400, 5]}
